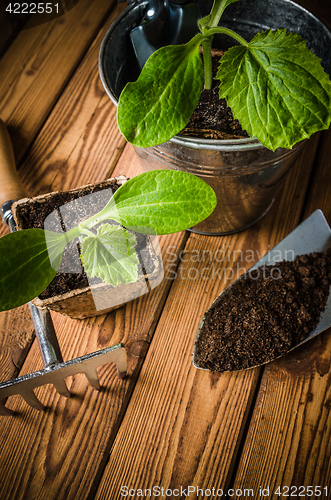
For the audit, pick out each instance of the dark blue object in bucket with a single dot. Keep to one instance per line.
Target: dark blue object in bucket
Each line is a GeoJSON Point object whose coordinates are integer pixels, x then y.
{"type": "Point", "coordinates": [164, 22]}
{"type": "Point", "coordinates": [118, 63]}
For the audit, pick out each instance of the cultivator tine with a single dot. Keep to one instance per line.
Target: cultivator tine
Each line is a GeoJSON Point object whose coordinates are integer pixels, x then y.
{"type": "Point", "coordinates": [57, 372]}
{"type": "Point", "coordinates": [61, 387]}
{"type": "Point", "coordinates": [93, 378]}
{"type": "Point", "coordinates": [24, 386]}
{"type": "Point", "coordinates": [55, 369]}
{"type": "Point", "coordinates": [31, 399]}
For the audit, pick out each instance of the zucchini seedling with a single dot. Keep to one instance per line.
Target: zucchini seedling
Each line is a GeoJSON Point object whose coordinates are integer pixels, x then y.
{"type": "Point", "coordinates": [157, 202]}
{"type": "Point", "coordinates": [274, 85]}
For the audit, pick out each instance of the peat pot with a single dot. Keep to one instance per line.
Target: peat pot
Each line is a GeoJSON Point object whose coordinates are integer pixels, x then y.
{"type": "Point", "coordinates": [71, 292]}
{"type": "Point", "coordinates": [245, 175]}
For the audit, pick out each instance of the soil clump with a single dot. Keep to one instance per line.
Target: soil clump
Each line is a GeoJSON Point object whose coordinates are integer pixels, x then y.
{"type": "Point", "coordinates": [265, 313]}
{"type": "Point", "coordinates": [212, 118]}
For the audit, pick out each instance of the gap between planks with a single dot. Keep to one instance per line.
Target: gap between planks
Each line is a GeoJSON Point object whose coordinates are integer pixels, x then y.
{"type": "Point", "coordinates": [45, 58]}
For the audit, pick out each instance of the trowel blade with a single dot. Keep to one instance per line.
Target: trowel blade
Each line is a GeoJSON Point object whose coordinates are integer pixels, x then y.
{"type": "Point", "coordinates": [312, 235]}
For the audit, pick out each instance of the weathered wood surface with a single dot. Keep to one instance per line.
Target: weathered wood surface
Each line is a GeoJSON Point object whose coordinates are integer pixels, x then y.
{"type": "Point", "coordinates": [87, 146]}
{"type": "Point", "coordinates": [167, 424]}
{"type": "Point", "coordinates": [37, 66]}
{"type": "Point", "coordinates": [293, 405]}
{"type": "Point", "coordinates": [292, 413]}
{"type": "Point", "coordinates": [185, 425]}
{"type": "Point", "coordinates": [79, 143]}
{"type": "Point", "coordinates": [71, 440]}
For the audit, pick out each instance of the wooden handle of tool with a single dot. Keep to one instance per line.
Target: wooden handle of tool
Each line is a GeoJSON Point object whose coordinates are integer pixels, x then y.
{"type": "Point", "coordinates": [11, 187]}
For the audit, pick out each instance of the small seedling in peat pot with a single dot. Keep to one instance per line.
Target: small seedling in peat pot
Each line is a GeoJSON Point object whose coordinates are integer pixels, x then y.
{"type": "Point", "coordinates": [274, 85]}
{"type": "Point", "coordinates": [157, 202]}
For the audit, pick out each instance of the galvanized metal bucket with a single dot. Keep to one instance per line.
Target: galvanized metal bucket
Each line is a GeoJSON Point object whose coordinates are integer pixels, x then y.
{"type": "Point", "coordinates": [245, 175]}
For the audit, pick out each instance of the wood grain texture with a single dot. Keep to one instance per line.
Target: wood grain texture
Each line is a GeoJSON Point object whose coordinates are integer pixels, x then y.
{"type": "Point", "coordinates": [78, 144]}
{"type": "Point", "coordinates": [64, 449]}
{"type": "Point", "coordinates": [179, 418]}
{"type": "Point", "coordinates": [38, 64]}
{"type": "Point", "coordinates": [288, 443]}
{"type": "Point", "coordinates": [180, 425]}
{"type": "Point", "coordinates": [184, 426]}
{"type": "Point", "coordinates": [17, 335]}
{"type": "Point", "coordinates": [289, 436]}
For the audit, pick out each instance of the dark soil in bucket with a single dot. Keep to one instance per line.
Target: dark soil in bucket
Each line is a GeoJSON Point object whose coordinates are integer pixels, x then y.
{"type": "Point", "coordinates": [34, 213]}
{"type": "Point", "coordinates": [212, 118]}
{"type": "Point", "coordinates": [265, 313]}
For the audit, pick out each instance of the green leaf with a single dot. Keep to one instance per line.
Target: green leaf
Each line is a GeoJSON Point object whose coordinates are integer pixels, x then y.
{"type": "Point", "coordinates": [276, 88]}
{"type": "Point", "coordinates": [25, 269]}
{"type": "Point", "coordinates": [161, 202]}
{"type": "Point", "coordinates": [160, 103]}
{"type": "Point", "coordinates": [110, 255]}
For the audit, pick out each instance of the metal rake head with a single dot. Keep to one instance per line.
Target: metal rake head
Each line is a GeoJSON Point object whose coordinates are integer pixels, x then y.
{"type": "Point", "coordinates": [55, 369]}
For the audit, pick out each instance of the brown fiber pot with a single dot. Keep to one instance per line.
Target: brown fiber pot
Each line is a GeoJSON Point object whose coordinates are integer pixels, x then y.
{"type": "Point", "coordinates": [97, 297]}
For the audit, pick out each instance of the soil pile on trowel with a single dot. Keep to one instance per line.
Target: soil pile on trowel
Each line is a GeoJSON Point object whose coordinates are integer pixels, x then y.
{"type": "Point", "coordinates": [265, 313]}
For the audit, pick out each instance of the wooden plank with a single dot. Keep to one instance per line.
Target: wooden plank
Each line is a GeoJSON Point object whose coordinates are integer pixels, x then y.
{"type": "Point", "coordinates": [17, 335]}
{"type": "Point", "coordinates": [9, 27]}
{"type": "Point", "coordinates": [79, 143]}
{"type": "Point", "coordinates": [179, 452]}
{"type": "Point", "coordinates": [183, 426]}
{"type": "Point", "coordinates": [76, 433]}
{"type": "Point", "coordinates": [84, 115]}
{"type": "Point", "coordinates": [62, 451]}
{"type": "Point", "coordinates": [84, 110]}
{"type": "Point", "coordinates": [37, 66]}
{"type": "Point", "coordinates": [291, 423]}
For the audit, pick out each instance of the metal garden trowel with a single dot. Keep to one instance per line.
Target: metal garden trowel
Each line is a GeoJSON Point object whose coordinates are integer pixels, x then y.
{"type": "Point", "coordinates": [55, 369]}
{"type": "Point", "coordinates": [312, 235]}
{"type": "Point", "coordinates": [164, 22]}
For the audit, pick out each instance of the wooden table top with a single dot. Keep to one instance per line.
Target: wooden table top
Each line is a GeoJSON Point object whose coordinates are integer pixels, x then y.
{"type": "Point", "coordinates": [167, 425]}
